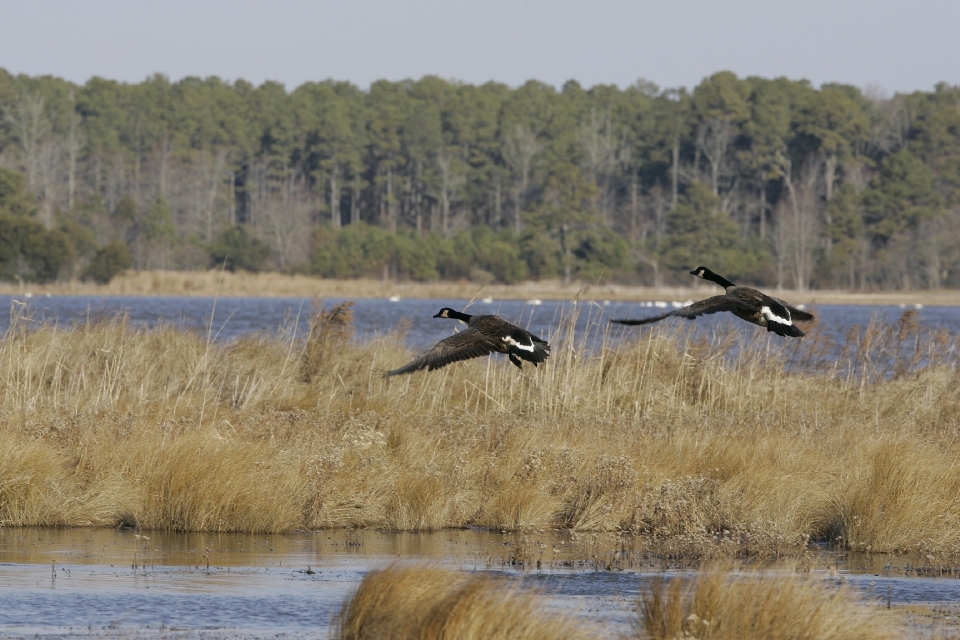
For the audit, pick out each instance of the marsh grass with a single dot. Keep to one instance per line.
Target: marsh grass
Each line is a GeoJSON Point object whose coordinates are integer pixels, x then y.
{"type": "Point", "coordinates": [702, 446]}
{"type": "Point", "coordinates": [424, 603]}
{"type": "Point", "coordinates": [718, 604]}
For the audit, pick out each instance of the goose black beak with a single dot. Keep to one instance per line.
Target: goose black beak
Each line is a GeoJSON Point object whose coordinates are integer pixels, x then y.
{"type": "Point", "coordinates": [694, 272]}
{"type": "Point", "coordinates": [438, 316]}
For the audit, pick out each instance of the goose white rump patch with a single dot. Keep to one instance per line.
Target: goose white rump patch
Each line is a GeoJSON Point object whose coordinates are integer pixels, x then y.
{"type": "Point", "coordinates": [525, 347]}
{"type": "Point", "coordinates": [771, 316]}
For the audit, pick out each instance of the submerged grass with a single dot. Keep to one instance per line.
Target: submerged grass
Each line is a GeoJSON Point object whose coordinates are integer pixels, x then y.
{"type": "Point", "coordinates": [695, 445]}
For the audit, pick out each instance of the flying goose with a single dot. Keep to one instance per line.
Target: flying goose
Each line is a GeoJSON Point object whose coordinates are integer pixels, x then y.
{"type": "Point", "coordinates": [745, 303]}
{"type": "Point", "coordinates": [484, 335]}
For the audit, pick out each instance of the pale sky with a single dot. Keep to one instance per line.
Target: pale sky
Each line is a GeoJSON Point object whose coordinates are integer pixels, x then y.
{"type": "Point", "coordinates": [895, 46]}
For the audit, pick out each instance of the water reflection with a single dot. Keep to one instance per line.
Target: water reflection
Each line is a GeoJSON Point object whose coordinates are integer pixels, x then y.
{"type": "Point", "coordinates": [55, 579]}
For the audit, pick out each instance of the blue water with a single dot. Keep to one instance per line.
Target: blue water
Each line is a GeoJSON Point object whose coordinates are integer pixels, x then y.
{"type": "Point", "coordinates": [81, 582]}
{"type": "Point", "coordinates": [833, 342]}
{"type": "Point", "coordinates": [229, 318]}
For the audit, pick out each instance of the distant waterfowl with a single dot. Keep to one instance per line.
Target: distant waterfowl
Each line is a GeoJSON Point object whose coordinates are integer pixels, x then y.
{"type": "Point", "coordinates": [484, 335]}
{"type": "Point", "coordinates": [745, 303]}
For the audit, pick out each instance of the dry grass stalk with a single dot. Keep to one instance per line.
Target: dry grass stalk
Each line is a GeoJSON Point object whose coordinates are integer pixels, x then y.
{"type": "Point", "coordinates": [719, 605]}
{"type": "Point", "coordinates": [329, 332]}
{"type": "Point", "coordinates": [663, 437]}
{"type": "Point", "coordinates": [422, 603]}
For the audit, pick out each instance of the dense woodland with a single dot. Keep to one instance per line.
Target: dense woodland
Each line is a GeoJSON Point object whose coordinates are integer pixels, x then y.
{"type": "Point", "coordinates": [770, 181]}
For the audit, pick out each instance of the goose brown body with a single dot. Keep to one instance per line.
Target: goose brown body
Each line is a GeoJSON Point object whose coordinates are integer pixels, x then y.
{"type": "Point", "coordinates": [484, 335]}
{"type": "Point", "coordinates": [747, 304]}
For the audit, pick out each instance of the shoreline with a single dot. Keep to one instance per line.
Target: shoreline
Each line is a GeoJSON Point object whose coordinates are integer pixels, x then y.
{"type": "Point", "coordinates": [275, 285]}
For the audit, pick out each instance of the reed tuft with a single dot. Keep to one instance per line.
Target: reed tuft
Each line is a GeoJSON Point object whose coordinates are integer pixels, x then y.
{"type": "Point", "coordinates": [423, 603]}
{"type": "Point", "coordinates": [720, 605]}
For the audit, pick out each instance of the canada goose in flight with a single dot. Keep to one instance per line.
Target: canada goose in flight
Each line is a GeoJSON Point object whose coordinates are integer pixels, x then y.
{"type": "Point", "coordinates": [745, 303]}
{"type": "Point", "coordinates": [484, 335]}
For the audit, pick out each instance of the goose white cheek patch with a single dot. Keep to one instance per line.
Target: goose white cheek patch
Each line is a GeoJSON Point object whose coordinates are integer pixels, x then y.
{"type": "Point", "coordinates": [525, 347]}
{"type": "Point", "coordinates": [772, 317]}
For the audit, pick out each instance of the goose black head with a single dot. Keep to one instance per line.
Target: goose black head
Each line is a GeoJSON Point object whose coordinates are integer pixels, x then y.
{"type": "Point", "coordinates": [446, 312]}
{"type": "Point", "coordinates": [701, 272]}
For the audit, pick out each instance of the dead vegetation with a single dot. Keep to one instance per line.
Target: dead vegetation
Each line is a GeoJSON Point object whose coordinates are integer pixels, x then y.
{"type": "Point", "coordinates": [718, 604]}
{"type": "Point", "coordinates": [694, 446]}
{"type": "Point", "coordinates": [422, 602]}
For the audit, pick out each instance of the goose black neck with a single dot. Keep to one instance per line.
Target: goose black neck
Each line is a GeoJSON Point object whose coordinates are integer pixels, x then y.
{"type": "Point", "coordinates": [720, 280]}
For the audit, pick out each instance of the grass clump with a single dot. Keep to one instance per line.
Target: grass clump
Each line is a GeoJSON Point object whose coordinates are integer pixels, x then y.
{"type": "Point", "coordinates": [423, 603]}
{"type": "Point", "coordinates": [720, 605]}
{"type": "Point", "coordinates": [420, 602]}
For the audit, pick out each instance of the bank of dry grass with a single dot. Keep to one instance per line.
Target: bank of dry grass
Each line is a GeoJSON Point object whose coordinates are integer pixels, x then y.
{"type": "Point", "coordinates": [663, 438]}
{"type": "Point", "coordinates": [223, 283]}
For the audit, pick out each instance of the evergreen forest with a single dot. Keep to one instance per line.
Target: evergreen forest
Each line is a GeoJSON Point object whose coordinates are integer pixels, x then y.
{"type": "Point", "coordinates": [768, 181]}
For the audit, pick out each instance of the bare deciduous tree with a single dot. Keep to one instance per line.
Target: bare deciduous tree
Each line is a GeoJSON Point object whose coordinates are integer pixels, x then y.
{"type": "Point", "coordinates": [210, 175]}
{"type": "Point", "coordinates": [451, 179]}
{"type": "Point", "coordinates": [40, 150]}
{"type": "Point", "coordinates": [30, 126]}
{"type": "Point", "coordinates": [798, 223]}
{"type": "Point", "coordinates": [713, 139]}
{"type": "Point", "coordinates": [74, 144]}
{"type": "Point", "coordinates": [286, 215]}
{"type": "Point", "coordinates": [601, 151]}
{"type": "Point", "coordinates": [335, 213]}
{"type": "Point", "coordinates": [520, 147]}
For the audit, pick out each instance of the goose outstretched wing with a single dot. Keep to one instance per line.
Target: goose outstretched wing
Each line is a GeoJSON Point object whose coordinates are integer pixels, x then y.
{"type": "Point", "coordinates": [716, 304]}
{"type": "Point", "coordinates": [460, 346]}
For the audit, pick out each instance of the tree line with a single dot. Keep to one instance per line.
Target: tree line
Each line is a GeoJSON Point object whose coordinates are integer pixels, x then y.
{"type": "Point", "coordinates": [771, 181]}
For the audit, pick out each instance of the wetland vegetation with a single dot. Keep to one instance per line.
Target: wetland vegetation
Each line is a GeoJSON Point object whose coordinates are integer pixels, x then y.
{"type": "Point", "coordinates": [691, 445]}
{"type": "Point", "coordinates": [428, 603]}
{"type": "Point", "coordinates": [657, 446]}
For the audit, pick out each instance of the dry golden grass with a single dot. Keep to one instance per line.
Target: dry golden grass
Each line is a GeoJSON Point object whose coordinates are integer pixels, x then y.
{"type": "Point", "coordinates": [719, 605]}
{"type": "Point", "coordinates": [419, 602]}
{"type": "Point", "coordinates": [219, 283]}
{"type": "Point", "coordinates": [422, 603]}
{"type": "Point", "coordinates": [663, 439]}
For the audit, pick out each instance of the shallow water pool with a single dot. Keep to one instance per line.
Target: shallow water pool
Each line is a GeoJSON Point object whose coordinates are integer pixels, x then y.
{"type": "Point", "coordinates": [73, 582]}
